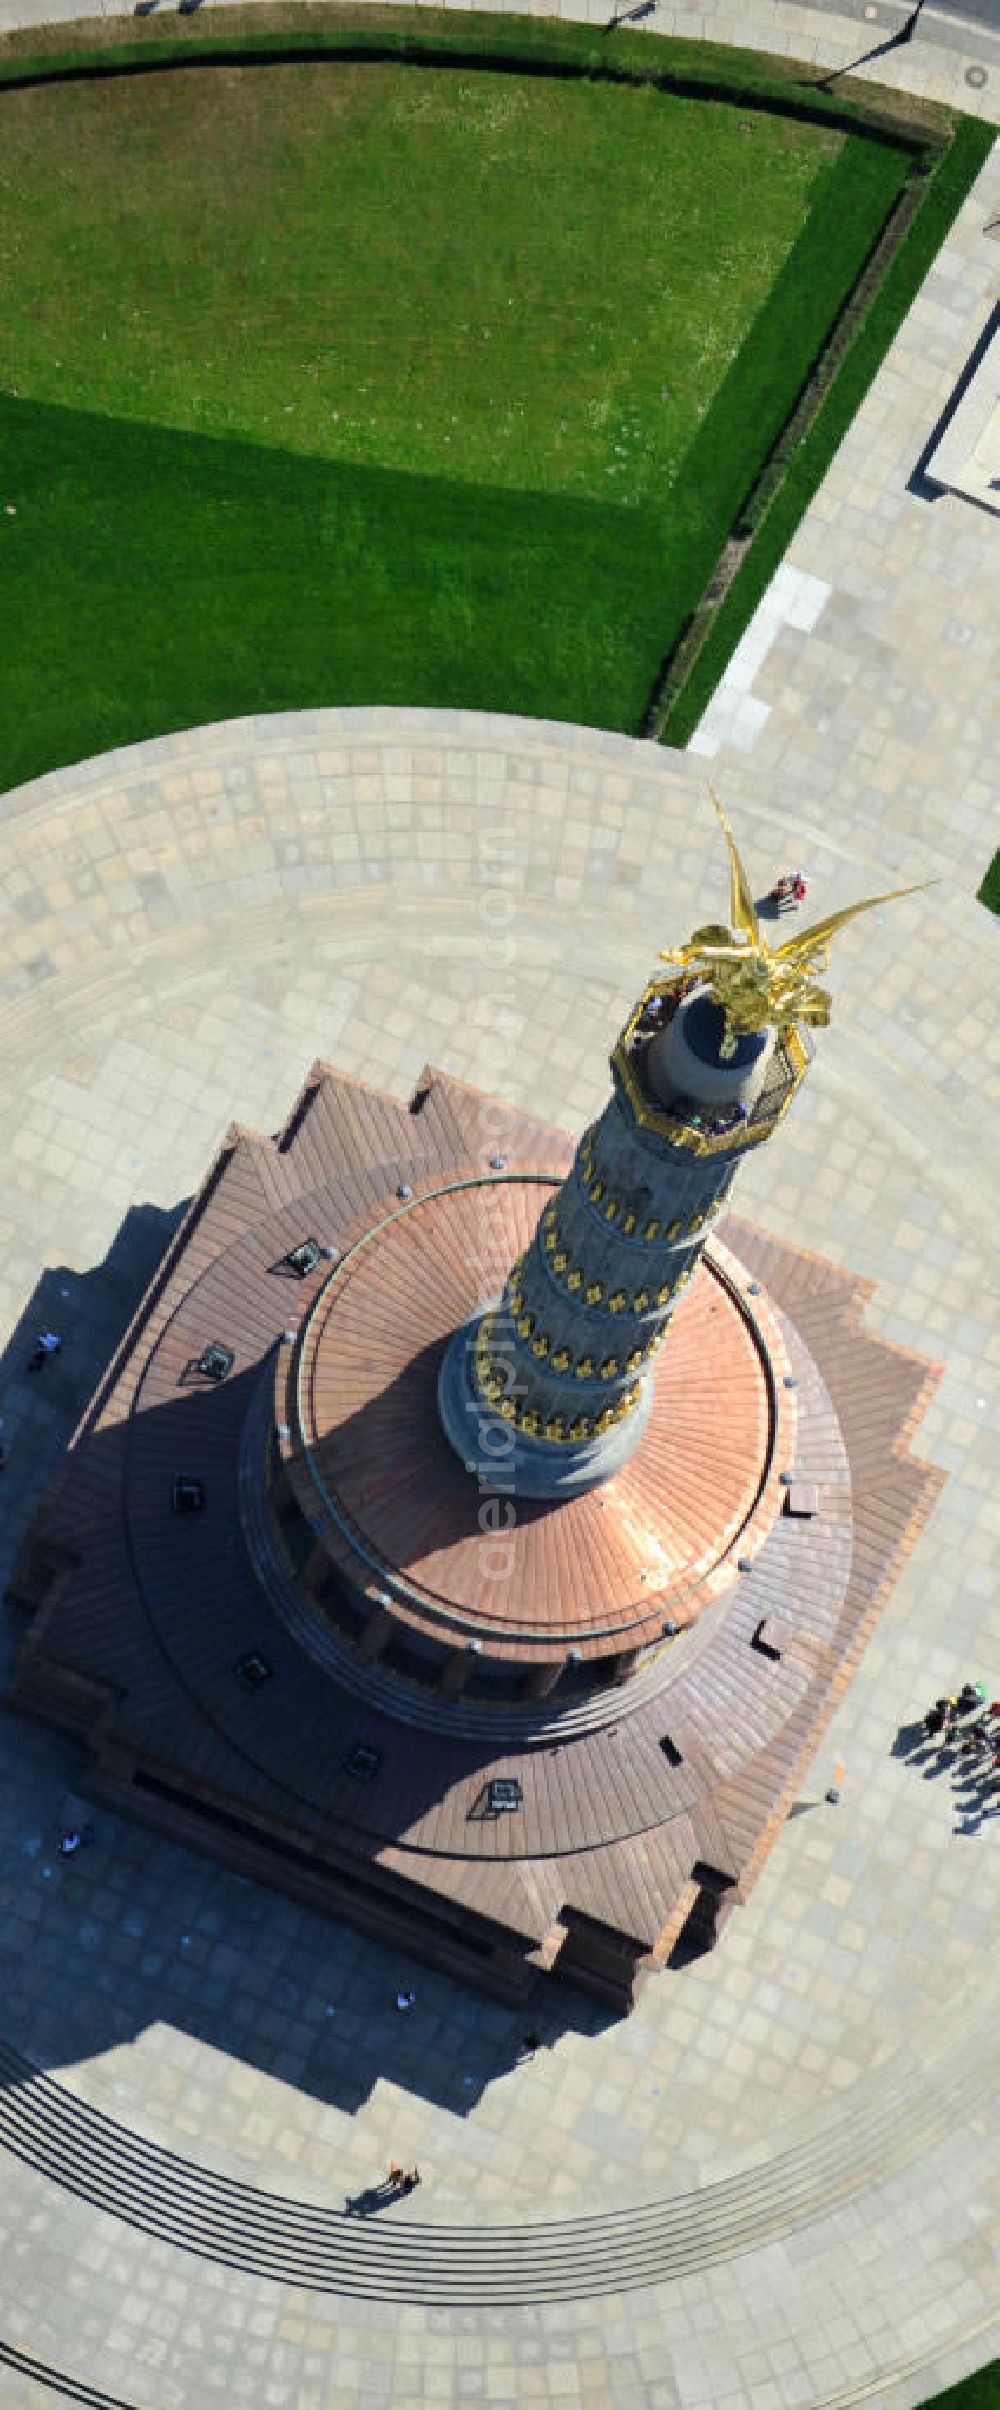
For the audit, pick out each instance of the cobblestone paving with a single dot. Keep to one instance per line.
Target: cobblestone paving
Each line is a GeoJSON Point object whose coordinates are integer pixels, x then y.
{"type": "Point", "coordinates": [314, 884]}
{"type": "Point", "coordinates": [185, 926]}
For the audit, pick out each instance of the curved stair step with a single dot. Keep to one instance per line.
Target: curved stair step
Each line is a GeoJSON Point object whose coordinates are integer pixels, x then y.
{"type": "Point", "coordinates": [268, 2235]}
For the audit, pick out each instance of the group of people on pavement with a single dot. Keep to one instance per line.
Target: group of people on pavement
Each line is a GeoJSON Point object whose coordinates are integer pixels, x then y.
{"type": "Point", "coordinates": [789, 890]}
{"type": "Point", "coordinates": [970, 1721]}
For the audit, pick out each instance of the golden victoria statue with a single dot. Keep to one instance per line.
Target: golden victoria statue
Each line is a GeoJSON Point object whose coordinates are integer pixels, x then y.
{"type": "Point", "coordinates": [759, 986]}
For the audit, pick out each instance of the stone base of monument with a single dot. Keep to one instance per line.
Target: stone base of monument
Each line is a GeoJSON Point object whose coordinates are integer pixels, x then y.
{"type": "Point", "coordinates": [522, 1736]}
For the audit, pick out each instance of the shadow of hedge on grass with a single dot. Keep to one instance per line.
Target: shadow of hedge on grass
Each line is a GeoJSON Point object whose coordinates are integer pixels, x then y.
{"type": "Point", "coordinates": [152, 579]}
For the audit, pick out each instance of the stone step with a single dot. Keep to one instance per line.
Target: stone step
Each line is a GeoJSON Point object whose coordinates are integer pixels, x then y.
{"type": "Point", "coordinates": [893, 2117]}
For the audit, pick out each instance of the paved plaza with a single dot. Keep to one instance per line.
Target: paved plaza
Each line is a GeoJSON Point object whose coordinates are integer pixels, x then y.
{"type": "Point", "coordinates": [795, 2139]}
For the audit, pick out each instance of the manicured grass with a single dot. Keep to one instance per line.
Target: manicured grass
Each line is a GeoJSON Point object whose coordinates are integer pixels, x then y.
{"type": "Point", "coordinates": [354, 383]}
{"type": "Point", "coordinates": [389, 267]}
{"type": "Point", "coordinates": [981, 2392]}
{"type": "Point", "coordinates": [961, 163]}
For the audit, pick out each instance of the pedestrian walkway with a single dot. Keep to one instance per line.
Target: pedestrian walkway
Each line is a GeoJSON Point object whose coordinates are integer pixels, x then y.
{"type": "Point", "coordinates": [775, 2184]}
{"type": "Point", "coordinates": [947, 54]}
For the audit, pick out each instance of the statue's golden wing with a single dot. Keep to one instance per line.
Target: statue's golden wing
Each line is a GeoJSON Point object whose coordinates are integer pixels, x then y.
{"type": "Point", "coordinates": [741, 905]}
{"type": "Point", "coordinates": [801, 947]}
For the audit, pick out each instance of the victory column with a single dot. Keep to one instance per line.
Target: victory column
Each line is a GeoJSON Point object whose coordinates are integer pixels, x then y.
{"type": "Point", "coordinates": [704, 1069]}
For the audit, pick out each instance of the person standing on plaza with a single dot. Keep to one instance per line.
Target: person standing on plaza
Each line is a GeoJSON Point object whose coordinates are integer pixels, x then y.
{"type": "Point", "coordinates": [48, 1343]}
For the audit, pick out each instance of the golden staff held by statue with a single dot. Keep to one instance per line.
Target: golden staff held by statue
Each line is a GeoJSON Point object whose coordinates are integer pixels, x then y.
{"type": "Point", "coordinates": [758, 986]}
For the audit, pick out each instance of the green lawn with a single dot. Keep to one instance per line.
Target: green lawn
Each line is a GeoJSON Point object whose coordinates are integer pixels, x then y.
{"type": "Point", "coordinates": [989, 892]}
{"type": "Point", "coordinates": [382, 383]}
{"type": "Point", "coordinates": [980, 2392]}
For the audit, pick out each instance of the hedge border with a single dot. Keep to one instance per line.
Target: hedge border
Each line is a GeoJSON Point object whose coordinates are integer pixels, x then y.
{"type": "Point", "coordinates": [947, 187]}
{"type": "Point", "coordinates": [511, 44]}
{"type": "Point", "coordinates": [946, 150]}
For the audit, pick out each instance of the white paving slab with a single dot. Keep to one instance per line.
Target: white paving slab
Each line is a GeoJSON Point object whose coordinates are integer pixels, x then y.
{"type": "Point", "coordinates": [794, 599]}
